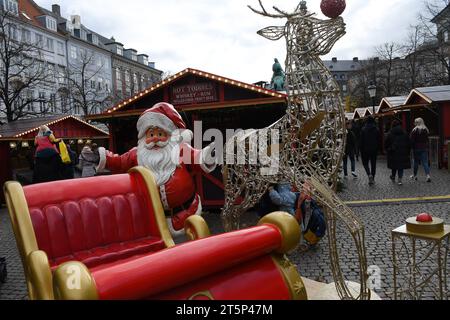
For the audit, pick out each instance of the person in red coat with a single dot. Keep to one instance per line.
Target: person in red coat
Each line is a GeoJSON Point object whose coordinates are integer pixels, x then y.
{"type": "Point", "coordinates": [164, 149]}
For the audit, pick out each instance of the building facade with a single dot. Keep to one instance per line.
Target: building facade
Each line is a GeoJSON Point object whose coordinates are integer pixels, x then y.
{"type": "Point", "coordinates": [32, 26]}
{"type": "Point", "coordinates": [86, 72]}
{"type": "Point", "coordinates": [342, 70]}
{"type": "Point", "coordinates": [131, 72]}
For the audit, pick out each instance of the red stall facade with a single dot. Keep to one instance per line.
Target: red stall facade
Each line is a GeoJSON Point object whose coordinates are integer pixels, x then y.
{"type": "Point", "coordinates": [433, 105]}
{"type": "Point", "coordinates": [17, 142]}
{"type": "Point", "coordinates": [217, 102]}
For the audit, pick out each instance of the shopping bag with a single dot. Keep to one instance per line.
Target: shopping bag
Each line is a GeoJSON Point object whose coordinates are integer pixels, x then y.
{"type": "Point", "coordinates": [65, 157]}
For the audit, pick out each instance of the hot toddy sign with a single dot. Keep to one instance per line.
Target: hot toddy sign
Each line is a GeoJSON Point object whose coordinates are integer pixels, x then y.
{"type": "Point", "coordinates": [194, 93]}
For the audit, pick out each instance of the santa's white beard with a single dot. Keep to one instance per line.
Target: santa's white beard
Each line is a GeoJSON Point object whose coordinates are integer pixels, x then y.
{"type": "Point", "coordinates": [161, 161]}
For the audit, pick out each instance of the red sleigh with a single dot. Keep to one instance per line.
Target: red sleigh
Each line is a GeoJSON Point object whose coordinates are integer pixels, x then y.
{"type": "Point", "coordinates": [107, 238]}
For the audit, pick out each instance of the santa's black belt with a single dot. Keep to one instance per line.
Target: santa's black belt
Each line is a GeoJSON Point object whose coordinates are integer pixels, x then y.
{"type": "Point", "coordinates": [181, 208]}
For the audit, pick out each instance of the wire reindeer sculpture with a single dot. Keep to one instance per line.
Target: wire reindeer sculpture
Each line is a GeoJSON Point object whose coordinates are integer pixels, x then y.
{"type": "Point", "coordinates": [308, 141]}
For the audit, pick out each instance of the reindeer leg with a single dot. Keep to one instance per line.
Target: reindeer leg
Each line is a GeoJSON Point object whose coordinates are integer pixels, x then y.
{"type": "Point", "coordinates": [335, 210]}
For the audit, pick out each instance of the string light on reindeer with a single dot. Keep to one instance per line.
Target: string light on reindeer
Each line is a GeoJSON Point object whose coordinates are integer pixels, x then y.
{"type": "Point", "coordinates": [308, 142]}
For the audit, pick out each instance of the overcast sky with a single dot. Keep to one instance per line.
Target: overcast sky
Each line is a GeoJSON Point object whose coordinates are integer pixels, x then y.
{"type": "Point", "coordinates": [220, 36]}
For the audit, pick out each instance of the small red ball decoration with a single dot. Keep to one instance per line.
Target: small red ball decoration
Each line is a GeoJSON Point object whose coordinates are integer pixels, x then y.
{"type": "Point", "coordinates": [424, 217]}
{"type": "Point", "coordinates": [333, 8]}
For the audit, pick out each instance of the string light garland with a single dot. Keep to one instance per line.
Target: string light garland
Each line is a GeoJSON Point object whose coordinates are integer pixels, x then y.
{"type": "Point", "coordinates": [199, 73]}
{"type": "Point", "coordinates": [57, 121]}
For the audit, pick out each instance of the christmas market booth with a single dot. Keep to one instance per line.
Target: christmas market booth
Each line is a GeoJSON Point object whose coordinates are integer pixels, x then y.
{"type": "Point", "coordinates": [433, 105]}
{"type": "Point", "coordinates": [215, 101]}
{"type": "Point", "coordinates": [17, 142]}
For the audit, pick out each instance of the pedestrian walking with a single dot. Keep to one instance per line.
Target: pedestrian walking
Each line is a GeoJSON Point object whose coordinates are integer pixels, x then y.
{"type": "Point", "coordinates": [47, 160]}
{"type": "Point", "coordinates": [89, 160]}
{"type": "Point", "coordinates": [356, 129]}
{"type": "Point", "coordinates": [398, 147]}
{"type": "Point", "coordinates": [350, 151]}
{"type": "Point", "coordinates": [370, 143]}
{"type": "Point", "coordinates": [420, 145]}
{"type": "Point", "coordinates": [68, 169]}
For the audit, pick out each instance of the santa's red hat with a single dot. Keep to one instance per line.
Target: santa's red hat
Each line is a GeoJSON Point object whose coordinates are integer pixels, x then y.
{"type": "Point", "coordinates": [162, 115]}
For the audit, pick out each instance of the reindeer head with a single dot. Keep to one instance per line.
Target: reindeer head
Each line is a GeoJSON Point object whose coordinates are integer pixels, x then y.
{"type": "Point", "coordinates": [304, 33]}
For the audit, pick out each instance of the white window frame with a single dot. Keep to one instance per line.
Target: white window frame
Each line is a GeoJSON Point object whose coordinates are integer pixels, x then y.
{"type": "Point", "coordinates": [95, 39]}
{"type": "Point", "coordinates": [26, 35]}
{"type": "Point", "coordinates": [119, 51]}
{"type": "Point", "coordinates": [50, 45]}
{"type": "Point", "coordinates": [60, 48]}
{"type": "Point", "coordinates": [39, 40]}
{"type": "Point", "coordinates": [51, 23]}
{"type": "Point", "coordinates": [13, 32]}
{"type": "Point", "coordinates": [42, 101]}
{"type": "Point", "coordinates": [73, 52]}
{"type": "Point", "coordinates": [11, 6]}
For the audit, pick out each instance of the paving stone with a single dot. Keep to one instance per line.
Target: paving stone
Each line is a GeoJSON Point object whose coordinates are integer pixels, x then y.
{"type": "Point", "coordinates": [314, 264]}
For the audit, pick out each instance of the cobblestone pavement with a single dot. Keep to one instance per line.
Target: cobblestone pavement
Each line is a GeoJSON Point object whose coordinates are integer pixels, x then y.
{"type": "Point", "coordinates": [314, 264]}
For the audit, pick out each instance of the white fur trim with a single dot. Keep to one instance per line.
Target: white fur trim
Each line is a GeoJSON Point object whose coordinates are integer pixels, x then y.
{"type": "Point", "coordinates": [153, 119]}
{"type": "Point", "coordinates": [102, 164]}
{"type": "Point", "coordinates": [182, 232]}
{"type": "Point", "coordinates": [187, 136]}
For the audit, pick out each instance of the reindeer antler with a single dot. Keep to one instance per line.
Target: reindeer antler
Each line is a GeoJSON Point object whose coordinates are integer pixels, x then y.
{"type": "Point", "coordinates": [282, 14]}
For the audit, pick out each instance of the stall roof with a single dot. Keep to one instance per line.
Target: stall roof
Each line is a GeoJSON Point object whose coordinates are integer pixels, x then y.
{"type": "Point", "coordinates": [392, 102]}
{"type": "Point", "coordinates": [350, 115]}
{"type": "Point", "coordinates": [362, 113]}
{"type": "Point", "coordinates": [21, 128]}
{"type": "Point", "coordinates": [377, 110]}
{"type": "Point", "coordinates": [199, 73]}
{"type": "Point", "coordinates": [428, 95]}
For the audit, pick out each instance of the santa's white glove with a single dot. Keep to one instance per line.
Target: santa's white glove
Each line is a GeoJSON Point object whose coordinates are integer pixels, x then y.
{"type": "Point", "coordinates": [102, 162]}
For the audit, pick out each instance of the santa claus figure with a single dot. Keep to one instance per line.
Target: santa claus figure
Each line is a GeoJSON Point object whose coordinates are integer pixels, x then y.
{"type": "Point", "coordinates": [164, 148]}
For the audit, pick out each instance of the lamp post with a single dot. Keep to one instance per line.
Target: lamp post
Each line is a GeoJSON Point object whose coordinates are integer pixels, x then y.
{"type": "Point", "coordinates": [372, 93]}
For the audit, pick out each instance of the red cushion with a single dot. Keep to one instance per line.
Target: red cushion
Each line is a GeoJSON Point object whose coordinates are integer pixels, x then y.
{"type": "Point", "coordinates": [95, 220]}
{"type": "Point", "coordinates": [112, 253]}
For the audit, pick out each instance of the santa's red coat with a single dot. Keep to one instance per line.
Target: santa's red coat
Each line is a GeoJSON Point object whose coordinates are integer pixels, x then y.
{"type": "Point", "coordinates": [179, 189]}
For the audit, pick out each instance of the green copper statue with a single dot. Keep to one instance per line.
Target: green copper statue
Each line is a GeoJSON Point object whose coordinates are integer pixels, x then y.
{"type": "Point", "coordinates": [278, 77]}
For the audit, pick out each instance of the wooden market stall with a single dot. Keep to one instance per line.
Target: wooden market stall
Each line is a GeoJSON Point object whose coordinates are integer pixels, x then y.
{"type": "Point", "coordinates": [17, 142]}
{"type": "Point", "coordinates": [218, 102]}
{"type": "Point", "coordinates": [433, 105]}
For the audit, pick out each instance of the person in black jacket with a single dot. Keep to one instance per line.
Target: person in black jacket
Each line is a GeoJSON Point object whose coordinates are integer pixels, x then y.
{"type": "Point", "coordinates": [68, 170]}
{"type": "Point", "coordinates": [370, 143]}
{"type": "Point", "coordinates": [350, 151]}
{"type": "Point", "coordinates": [398, 147]}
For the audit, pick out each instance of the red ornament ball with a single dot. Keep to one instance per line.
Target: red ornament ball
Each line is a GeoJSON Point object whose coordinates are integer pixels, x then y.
{"type": "Point", "coordinates": [333, 8]}
{"type": "Point", "coordinates": [424, 217]}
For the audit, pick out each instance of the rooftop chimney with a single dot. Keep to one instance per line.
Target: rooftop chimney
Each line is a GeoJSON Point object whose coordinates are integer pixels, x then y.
{"type": "Point", "coordinates": [355, 59]}
{"type": "Point", "coordinates": [334, 59]}
{"type": "Point", "coordinates": [56, 9]}
{"type": "Point", "coordinates": [76, 21]}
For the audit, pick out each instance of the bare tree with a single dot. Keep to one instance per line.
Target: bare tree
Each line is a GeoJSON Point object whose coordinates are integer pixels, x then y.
{"type": "Point", "coordinates": [82, 80]}
{"type": "Point", "coordinates": [22, 69]}
{"type": "Point", "coordinates": [435, 49]}
{"type": "Point", "coordinates": [390, 74]}
{"type": "Point", "coordinates": [166, 74]}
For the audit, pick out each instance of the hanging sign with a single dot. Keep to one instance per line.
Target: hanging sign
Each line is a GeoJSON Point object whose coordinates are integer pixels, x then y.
{"type": "Point", "coordinates": [194, 93]}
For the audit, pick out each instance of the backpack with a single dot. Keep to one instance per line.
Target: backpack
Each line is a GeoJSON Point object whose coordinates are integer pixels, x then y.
{"type": "Point", "coordinates": [312, 219]}
{"type": "Point", "coordinates": [65, 157]}
{"type": "Point", "coordinates": [3, 272]}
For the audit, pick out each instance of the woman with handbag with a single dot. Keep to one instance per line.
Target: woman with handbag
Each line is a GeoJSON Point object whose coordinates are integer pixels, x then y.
{"type": "Point", "coordinates": [89, 159]}
{"type": "Point", "coordinates": [398, 147]}
{"type": "Point", "coordinates": [47, 159]}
